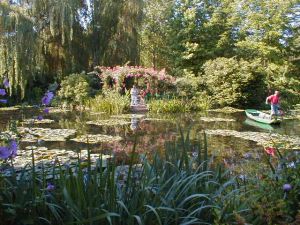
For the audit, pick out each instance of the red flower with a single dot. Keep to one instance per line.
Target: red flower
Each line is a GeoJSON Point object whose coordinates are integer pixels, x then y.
{"type": "Point", "coordinates": [270, 151]}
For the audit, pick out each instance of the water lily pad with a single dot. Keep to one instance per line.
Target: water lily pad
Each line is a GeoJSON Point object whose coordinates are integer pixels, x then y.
{"type": "Point", "coordinates": [129, 116]}
{"type": "Point", "coordinates": [46, 158]}
{"type": "Point", "coordinates": [226, 110]}
{"type": "Point", "coordinates": [155, 119]}
{"type": "Point", "coordinates": [58, 110]}
{"type": "Point", "coordinates": [43, 121]}
{"type": "Point", "coordinates": [96, 138]}
{"type": "Point", "coordinates": [211, 119]}
{"type": "Point", "coordinates": [9, 109]}
{"type": "Point", "coordinates": [111, 122]}
{"type": "Point", "coordinates": [45, 134]}
{"type": "Point", "coordinates": [97, 113]}
{"type": "Point", "coordinates": [260, 137]}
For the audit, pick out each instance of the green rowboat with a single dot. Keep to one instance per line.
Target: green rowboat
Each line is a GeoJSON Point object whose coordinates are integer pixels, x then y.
{"type": "Point", "coordinates": [262, 117]}
{"type": "Point", "coordinates": [263, 126]}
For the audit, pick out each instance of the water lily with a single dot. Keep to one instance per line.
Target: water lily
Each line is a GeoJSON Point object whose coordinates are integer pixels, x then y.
{"type": "Point", "coordinates": [270, 151]}
{"type": "Point", "coordinates": [287, 187]}
{"type": "Point", "coordinates": [46, 100]}
{"type": "Point", "coordinates": [2, 92]}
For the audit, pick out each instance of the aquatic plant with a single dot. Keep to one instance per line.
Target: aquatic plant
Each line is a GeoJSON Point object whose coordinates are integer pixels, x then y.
{"type": "Point", "coordinates": [173, 188]}
{"type": "Point", "coordinates": [110, 101]}
{"type": "Point", "coordinates": [169, 106]}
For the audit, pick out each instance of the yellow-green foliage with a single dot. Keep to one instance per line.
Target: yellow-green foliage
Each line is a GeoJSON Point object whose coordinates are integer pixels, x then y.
{"type": "Point", "coordinates": [110, 102]}
{"type": "Point", "coordinates": [74, 89]}
{"type": "Point", "coordinates": [169, 106]}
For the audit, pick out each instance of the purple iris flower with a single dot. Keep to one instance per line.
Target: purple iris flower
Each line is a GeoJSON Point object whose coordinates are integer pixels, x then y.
{"type": "Point", "coordinates": [287, 187]}
{"type": "Point", "coordinates": [46, 111]}
{"type": "Point", "coordinates": [6, 83]}
{"type": "Point", "coordinates": [50, 187]}
{"type": "Point", "coordinates": [13, 148]}
{"type": "Point", "coordinates": [40, 117]}
{"type": "Point", "coordinates": [4, 152]}
{"type": "Point", "coordinates": [2, 92]}
{"type": "Point", "coordinates": [9, 151]}
{"type": "Point", "coordinates": [46, 100]}
{"type": "Point", "coordinates": [4, 101]}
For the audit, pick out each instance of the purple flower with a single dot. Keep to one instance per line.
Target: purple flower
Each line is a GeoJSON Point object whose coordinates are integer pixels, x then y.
{"type": "Point", "coordinates": [2, 92]}
{"type": "Point", "coordinates": [4, 152]}
{"type": "Point", "coordinates": [13, 148]}
{"type": "Point", "coordinates": [50, 187]}
{"type": "Point", "coordinates": [287, 187]}
{"type": "Point", "coordinates": [6, 83]}
{"type": "Point", "coordinates": [46, 111]}
{"type": "Point", "coordinates": [9, 151]}
{"type": "Point", "coordinates": [40, 118]}
{"type": "Point", "coordinates": [4, 101]}
{"type": "Point", "coordinates": [46, 100]}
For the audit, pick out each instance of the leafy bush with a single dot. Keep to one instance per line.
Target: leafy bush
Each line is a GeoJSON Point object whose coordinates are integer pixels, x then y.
{"type": "Point", "coordinates": [201, 101]}
{"type": "Point", "coordinates": [188, 86]}
{"type": "Point", "coordinates": [110, 101]}
{"type": "Point", "coordinates": [74, 89]}
{"type": "Point", "coordinates": [233, 82]}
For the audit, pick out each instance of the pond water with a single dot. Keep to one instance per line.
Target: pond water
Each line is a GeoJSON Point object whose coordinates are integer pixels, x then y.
{"type": "Point", "coordinates": [231, 137]}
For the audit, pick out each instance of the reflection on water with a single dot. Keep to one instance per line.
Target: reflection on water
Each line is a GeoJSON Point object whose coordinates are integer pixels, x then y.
{"type": "Point", "coordinates": [153, 131]}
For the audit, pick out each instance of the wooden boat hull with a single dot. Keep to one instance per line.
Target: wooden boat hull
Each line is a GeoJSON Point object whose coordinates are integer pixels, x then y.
{"type": "Point", "coordinates": [261, 117]}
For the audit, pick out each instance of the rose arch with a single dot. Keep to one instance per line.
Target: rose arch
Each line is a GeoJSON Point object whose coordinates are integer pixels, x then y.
{"type": "Point", "coordinates": [148, 80]}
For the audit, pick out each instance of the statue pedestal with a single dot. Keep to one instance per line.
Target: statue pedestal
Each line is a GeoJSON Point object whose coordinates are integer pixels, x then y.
{"type": "Point", "coordinates": [137, 104]}
{"type": "Point", "coordinates": [139, 108]}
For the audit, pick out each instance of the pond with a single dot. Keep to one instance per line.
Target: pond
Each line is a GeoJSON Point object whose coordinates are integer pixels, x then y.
{"type": "Point", "coordinates": [231, 137]}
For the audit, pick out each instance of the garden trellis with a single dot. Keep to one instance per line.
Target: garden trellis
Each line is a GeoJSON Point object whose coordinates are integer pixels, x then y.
{"type": "Point", "coordinates": [123, 78]}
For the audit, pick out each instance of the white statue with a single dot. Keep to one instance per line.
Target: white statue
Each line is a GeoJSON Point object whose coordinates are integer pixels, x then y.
{"type": "Point", "coordinates": [134, 95]}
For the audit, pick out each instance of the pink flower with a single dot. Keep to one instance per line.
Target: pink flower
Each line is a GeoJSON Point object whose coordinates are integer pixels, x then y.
{"type": "Point", "coordinates": [270, 151]}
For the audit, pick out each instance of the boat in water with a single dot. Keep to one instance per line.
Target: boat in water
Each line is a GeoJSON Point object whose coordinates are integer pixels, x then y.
{"type": "Point", "coordinates": [262, 117]}
{"type": "Point", "coordinates": [259, 125]}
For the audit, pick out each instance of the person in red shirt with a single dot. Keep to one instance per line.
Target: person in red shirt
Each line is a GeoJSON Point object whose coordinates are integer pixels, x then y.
{"type": "Point", "coordinates": [274, 101]}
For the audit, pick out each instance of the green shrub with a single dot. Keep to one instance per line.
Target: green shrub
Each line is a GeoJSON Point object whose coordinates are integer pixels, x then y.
{"type": "Point", "coordinates": [74, 89]}
{"type": "Point", "coordinates": [233, 82]}
{"type": "Point", "coordinates": [110, 101]}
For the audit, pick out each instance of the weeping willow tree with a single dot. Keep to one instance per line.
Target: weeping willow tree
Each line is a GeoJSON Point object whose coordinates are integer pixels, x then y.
{"type": "Point", "coordinates": [114, 31]}
{"type": "Point", "coordinates": [37, 42]}
{"type": "Point", "coordinates": [42, 41]}
{"type": "Point", "coordinates": [17, 48]}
